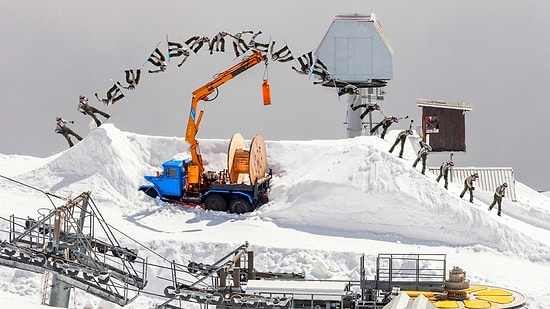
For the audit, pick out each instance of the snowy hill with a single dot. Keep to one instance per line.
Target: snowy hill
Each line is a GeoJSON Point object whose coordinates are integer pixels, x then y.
{"type": "Point", "coordinates": [331, 201]}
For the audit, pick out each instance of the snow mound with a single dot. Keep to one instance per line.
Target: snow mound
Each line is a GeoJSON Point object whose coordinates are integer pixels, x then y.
{"type": "Point", "coordinates": [350, 187]}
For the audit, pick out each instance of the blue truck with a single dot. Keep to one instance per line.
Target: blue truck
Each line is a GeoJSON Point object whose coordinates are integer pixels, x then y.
{"type": "Point", "coordinates": [187, 183]}
{"type": "Point", "coordinates": [169, 186]}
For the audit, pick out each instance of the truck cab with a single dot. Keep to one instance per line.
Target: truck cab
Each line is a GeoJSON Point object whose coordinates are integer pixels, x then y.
{"type": "Point", "coordinates": [170, 183]}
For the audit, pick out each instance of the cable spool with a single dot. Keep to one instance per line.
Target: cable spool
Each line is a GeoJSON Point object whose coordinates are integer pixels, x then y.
{"type": "Point", "coordinates": [241, 161]}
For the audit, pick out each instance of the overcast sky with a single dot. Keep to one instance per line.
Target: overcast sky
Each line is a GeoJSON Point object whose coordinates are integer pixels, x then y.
{"type": "Point", "coordinates": [491, 54]}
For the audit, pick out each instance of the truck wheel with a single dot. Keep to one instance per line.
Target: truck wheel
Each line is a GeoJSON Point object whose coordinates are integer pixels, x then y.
{"type": "Point", "coordinates": [215, 202]}
{"type": "Point", "coordinates": [240, 206]}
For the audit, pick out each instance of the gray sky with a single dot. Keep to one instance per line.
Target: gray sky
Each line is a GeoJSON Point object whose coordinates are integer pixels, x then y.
{"type": "Point", "coordinates": [492, 54]}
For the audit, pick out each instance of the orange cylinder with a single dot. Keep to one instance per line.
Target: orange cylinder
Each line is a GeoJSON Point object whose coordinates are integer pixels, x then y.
{"type": "Point", "coordinates": [266, 93]}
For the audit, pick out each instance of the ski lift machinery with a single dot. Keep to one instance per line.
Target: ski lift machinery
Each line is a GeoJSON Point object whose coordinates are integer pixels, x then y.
{"type": "Point", "coordinates": [358, 54]}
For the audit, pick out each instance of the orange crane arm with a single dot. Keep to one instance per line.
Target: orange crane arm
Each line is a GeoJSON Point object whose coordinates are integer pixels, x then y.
{"type": "Point", "coordinates": [201, 94]}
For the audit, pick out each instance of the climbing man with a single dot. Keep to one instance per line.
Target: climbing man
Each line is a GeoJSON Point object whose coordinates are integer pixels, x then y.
{"type": "Point", "coordinates": [385, 124]}
{"type": "Point", "coordinates": [62, 128]}
{"type": "Point", "coordinates": [444, 170]}
{"type": "Point", "coordinates": [497, 199]}
{"type": "Point", "coordinates": [401, 137]}
{"type": "Point", "coordinates": [89, 110]}
{"type": "Point", "coordinates": [469, 186]}
{"type": "Point", "coordinates": [422, 154]}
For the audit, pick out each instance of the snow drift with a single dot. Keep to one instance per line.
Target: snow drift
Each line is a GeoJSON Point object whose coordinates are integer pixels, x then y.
{"type": "Point", "coordinates": [328, 198]}
{"type": "Point", "coordinates": [349, 187]}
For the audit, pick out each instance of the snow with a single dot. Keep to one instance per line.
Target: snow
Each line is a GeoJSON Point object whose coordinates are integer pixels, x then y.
{"type": "Point", "coordinates": [331, 201]}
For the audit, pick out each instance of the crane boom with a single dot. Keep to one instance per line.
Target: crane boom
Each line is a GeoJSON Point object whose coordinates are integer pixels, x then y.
{"type": "Point", "coordinates": [201, 94]}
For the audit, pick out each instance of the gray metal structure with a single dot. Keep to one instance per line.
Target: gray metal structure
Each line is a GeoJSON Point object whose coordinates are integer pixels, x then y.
{"type": "Point", "coordinates": [232, 282]}
{"type": "Point", "coordinates": [359, 57]}
{"type": "Point", "coordinates": [63, 241]}
{"type": "Point", "coordinates": [356, 50]}
{"type": "Point", "coordinates": [415, 272]}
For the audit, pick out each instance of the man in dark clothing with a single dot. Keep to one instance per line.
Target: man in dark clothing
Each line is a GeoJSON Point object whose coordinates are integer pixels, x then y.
{"type": "Point", "coordinates": [282, 55]}
{"type": "Point", "coordinates": [114, 94]}
{"type": "Point", "coordinates": [444, 172]}
{"type": "Point", "coordinates": [218, 41]}
{"type": "Point", "coordinates": [176, 49]}
{"type": "Point", "coordinates": [401, 137]}
{"type": "Point", "coordinates": [158, 59]}
{"type": "Point", "coordinates": [469, 186]}
{"type": "Point", "coordinates": [196, 42]}
{"type": "Point", "coordinates": [62, 128]}
{"type": "Point", "coordinates": [257, 46]}
{"type": "Point", "coordinates": [497, 199]}
{"type": "Point", "coordinates": [349, 89]}
{"type": "Point", "coordinates": [89, 110]}
{"type": "Point", "coordinates": [422, 154]}
{"type": "Point", "coordinates": [131, 78]}
{"type": "Point", "coordinates": [239, 45]}
{"type": "Point", "coordinates": [385, 124]}
{"type": "Point", "coordinates": [369, 107]}
{"type": "Point", "coordinates": [310, 64]}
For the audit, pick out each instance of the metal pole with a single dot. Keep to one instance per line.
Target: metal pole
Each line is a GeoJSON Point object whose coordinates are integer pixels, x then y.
{"type": "Point", "coordinates": [354, 124]}
{"type": "Point", "coordinates": [60, 293]}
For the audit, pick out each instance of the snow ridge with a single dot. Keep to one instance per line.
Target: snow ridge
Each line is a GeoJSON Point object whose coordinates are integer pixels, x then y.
{"type": "Point", "coordinates": [350, 187]}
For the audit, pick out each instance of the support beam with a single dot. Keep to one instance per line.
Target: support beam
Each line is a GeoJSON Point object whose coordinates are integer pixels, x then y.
{"type": "Point", "coordinates": [60, 292]}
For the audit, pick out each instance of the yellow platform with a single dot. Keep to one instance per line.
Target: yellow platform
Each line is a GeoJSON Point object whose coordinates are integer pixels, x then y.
{"type": "Point", "coordinates": [478, 297]}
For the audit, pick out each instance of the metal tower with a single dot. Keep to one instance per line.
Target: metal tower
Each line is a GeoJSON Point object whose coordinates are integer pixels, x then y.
{"type": "Point", "coordinates": [359, 57]}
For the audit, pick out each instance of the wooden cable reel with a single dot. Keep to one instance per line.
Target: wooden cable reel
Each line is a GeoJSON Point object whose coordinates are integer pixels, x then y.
{"type": "Point", "coordinates": [241, 161]}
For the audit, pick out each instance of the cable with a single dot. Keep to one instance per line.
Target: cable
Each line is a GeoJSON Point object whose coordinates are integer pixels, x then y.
{"type": "Point", "coordinates": [48, 194]}
{"type": "Point", "coordinates": [29, 186]}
